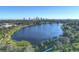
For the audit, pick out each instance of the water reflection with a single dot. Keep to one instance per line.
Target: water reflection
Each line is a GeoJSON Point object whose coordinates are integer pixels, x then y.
{"type": "Point", "coordinates": [38, 33]}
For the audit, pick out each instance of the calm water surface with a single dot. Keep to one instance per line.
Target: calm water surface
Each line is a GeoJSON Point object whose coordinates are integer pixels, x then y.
{"type": "Point", "coordinates": [38, 33]}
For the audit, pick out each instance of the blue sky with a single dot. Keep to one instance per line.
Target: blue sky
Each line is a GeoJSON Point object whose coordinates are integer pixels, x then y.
{"type": "Point", "coordinates": [54, 12]}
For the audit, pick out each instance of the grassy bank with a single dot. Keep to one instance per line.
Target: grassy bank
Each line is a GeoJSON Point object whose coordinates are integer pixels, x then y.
{"type": "Point", "coordinates": [12, 45]}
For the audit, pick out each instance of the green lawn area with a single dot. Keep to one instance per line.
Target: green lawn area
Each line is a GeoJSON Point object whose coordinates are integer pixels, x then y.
{"type": "Point", "coordinates": [76, 45]}
{"type": "Point", "coordinates": [22, 43]}
{"type": "Point", "coordinates": [9, 40]}
{"type": "Point", "coordinates": [1, 34]}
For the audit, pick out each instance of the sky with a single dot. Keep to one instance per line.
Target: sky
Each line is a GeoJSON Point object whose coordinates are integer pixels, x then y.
{"type": "Point", "coordinates": [51, 12]}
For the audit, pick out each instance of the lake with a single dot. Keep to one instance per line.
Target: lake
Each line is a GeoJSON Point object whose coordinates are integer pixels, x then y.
{"type": "Point", "coordinates": [38, 33]}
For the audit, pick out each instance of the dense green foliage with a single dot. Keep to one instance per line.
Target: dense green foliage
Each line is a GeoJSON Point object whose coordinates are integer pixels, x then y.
{"type": "Point", "coordinates": [67, 42]}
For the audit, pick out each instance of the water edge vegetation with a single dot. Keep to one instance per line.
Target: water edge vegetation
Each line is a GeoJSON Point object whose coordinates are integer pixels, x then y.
{"type": "Point", "coordinates": [67, 42]}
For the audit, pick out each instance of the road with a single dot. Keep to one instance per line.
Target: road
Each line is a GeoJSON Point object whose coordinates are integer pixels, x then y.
{"type": "Point", "coordinates": [48, 50]}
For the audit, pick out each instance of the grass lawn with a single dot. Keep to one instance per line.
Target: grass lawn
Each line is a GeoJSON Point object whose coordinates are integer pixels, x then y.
{"type": "Point", "coordinates": [76, 45]}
